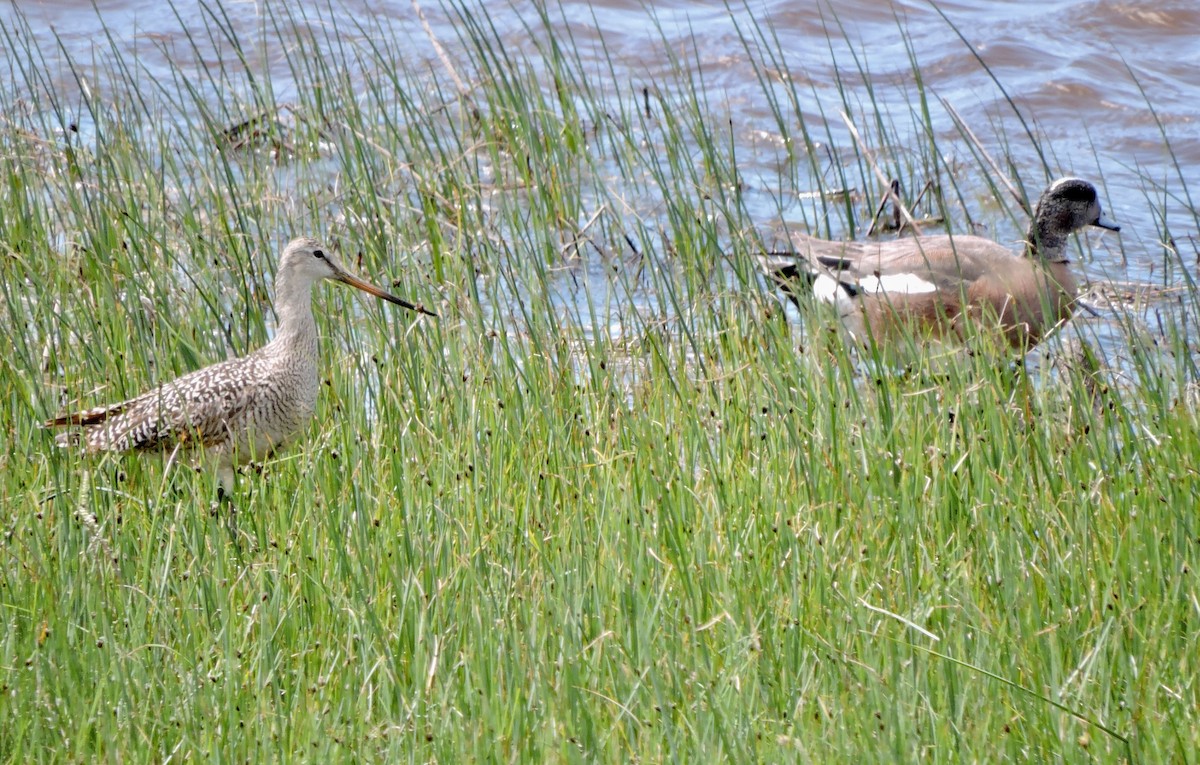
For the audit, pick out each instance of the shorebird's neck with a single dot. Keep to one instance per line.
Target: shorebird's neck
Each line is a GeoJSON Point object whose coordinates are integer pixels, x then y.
{"type": "Point", "coordinates": [1045, 242]}
{"type": "Point", "coordinates": [293, 306]}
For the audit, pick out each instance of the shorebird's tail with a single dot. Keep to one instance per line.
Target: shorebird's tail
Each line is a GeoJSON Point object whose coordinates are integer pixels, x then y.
{"type": "Point", "coordinates": [84, 418]}
{"type": "Point", "coordinates": [79, 421]}
{"type": "Point", "coordinates": [68, 439]}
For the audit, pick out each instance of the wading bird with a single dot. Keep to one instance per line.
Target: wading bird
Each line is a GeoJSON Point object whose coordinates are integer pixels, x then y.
{"type": "Point", "coordinates": [238, 410]}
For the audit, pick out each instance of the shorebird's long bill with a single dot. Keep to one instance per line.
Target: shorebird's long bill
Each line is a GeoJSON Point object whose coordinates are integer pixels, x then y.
{"type": "Point", "coordinates": [379, 292]}
{"type": "Point", "coordinates": [1103, 222]}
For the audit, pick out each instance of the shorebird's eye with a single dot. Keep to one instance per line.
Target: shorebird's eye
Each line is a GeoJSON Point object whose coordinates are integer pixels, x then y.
{"type": "Point", "coordinates": [318, 254]}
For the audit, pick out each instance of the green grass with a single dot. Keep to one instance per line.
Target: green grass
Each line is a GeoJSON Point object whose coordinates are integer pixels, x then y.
{"type": "Point", "coordinates": [615, 504]}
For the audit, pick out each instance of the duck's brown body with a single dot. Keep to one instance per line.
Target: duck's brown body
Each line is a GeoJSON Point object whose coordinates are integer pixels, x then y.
{"type": "Point", "coordinates": [941, 286]}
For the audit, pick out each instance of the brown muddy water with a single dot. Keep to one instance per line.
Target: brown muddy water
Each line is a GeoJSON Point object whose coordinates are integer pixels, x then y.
{"type": "Point", "coordinates": [1110, 89]}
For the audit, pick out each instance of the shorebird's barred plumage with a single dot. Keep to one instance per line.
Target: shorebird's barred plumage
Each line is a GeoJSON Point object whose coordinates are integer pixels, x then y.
{"type": "Point", "coordinates": [207, 407]}
{"type": "Point", "coordinates": [238, 410]}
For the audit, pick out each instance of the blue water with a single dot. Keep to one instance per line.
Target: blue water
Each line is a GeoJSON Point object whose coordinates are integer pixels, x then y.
{"type": "Point", "coordinates": [1096, 84]}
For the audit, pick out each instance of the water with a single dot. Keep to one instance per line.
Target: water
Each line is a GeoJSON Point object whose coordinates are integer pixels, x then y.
{"type": "Point", "coordinates": [1082, 74]}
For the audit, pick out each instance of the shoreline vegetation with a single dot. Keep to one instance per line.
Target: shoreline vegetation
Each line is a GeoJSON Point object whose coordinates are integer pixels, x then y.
{"type": "Point", "coordinates": [621, 501]}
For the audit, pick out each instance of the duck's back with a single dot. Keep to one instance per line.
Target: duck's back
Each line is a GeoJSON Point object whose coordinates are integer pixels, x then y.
{"type": "Point", "coordinates": [961, 258]}
{"type": "Point", "coordinates": [927, 281]}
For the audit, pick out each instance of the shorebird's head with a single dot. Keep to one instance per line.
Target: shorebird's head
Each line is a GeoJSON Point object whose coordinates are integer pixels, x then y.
{"type": "Point", "coordinates": [307, 260]}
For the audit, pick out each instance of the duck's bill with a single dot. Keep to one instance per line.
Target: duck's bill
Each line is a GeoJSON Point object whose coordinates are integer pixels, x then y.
{"type": "Point", "coordinates": [379, 292]}
{"type": "Point", "coordinates": [1103, 222]}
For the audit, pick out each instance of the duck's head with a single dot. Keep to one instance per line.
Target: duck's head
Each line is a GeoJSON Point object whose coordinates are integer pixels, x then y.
{"type": "Point", "coordinates": [1069, 204]}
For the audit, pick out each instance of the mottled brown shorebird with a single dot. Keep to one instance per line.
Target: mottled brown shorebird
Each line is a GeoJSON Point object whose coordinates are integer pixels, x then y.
{"type": "Point", "coordinates": [242, 409]}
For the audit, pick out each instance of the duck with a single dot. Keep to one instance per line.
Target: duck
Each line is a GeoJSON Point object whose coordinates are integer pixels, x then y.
{"type": "Point", "coordinates": [948, 286]}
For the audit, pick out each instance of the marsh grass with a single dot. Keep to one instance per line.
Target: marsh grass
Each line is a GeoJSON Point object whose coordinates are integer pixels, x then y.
{"type": "Point", "coordinates": [616, 503]}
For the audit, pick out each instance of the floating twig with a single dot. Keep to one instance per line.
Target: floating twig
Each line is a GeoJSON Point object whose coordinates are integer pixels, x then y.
{"type": "Point", "coordinates": [892, 194]}
{"type": "Point", "coordinates": [883, 180]}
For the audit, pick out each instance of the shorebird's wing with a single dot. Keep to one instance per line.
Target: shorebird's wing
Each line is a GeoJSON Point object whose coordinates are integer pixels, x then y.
{"type": "Point", "coordinates": [195, 409]}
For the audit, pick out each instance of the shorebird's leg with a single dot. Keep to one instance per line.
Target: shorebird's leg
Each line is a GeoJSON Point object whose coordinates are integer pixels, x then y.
{"type": "Point", "coordinates": [225, 506]}
{"type": "Point", "coordinates": [225, 483]}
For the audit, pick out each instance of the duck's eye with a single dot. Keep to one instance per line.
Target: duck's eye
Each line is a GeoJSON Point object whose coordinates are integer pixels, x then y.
{"type": "Point", "coordinates": [318, 254]}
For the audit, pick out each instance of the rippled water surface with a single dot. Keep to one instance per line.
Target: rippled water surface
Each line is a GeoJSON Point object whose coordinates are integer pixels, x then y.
{"type": "Point", "coordinates": [1098, 83]}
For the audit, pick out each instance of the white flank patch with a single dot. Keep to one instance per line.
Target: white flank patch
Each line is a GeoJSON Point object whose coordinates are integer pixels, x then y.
{"type": "Point", "coordinates": [829, 290]}
{"type": "Point", "coordinates": [826, 289]}
{"type": "Point", "coordinates": [896, 284]}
